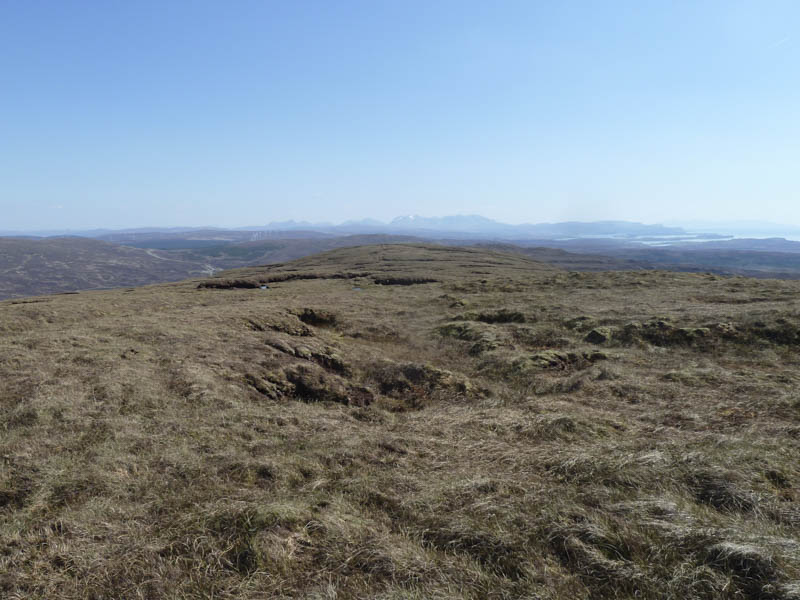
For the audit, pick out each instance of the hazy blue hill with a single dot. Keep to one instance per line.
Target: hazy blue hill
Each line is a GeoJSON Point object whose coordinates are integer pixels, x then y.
{"type": "Point", "coordinates": [776, 244]}
{"type": "Point", "coordinates": [621, 228]}
{"type": "Point", "coordinates": [451, 226]}
{"type": "Point", "coordinates": [463, 223]}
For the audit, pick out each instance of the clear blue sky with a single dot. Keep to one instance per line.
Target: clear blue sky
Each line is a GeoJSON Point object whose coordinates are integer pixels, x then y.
{"type": "Point", "coordinates": [120, 114]}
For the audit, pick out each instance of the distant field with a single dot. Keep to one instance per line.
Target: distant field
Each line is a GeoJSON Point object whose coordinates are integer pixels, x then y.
{"type": "Point", "coordinates": [166, 244]}
{"type": "Point", "coordinates": [31, 267]}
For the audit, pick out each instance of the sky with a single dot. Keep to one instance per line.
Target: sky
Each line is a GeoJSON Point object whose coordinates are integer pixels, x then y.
{"type": "Point", "coordinates": [153, 113]}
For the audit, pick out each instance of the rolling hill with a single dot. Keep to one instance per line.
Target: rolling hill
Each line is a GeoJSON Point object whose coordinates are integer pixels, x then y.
{"type": "Point", "coordinates": [35, 266]}
{"type": "Point", "coordinates": [404, 421]}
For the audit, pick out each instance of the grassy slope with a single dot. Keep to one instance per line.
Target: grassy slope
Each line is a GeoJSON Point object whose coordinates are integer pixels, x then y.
{"type": "Point", "coordinates": [270, 251]}
{"type": "Point", "coordinates": [450, 439]}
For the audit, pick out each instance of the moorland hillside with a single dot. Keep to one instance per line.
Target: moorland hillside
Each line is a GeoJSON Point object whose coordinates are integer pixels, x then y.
{"type": "Point", "coordinates": [36, 266]}
{"type": "Point", "coordinates": [404, 421]}
{"type": "Point", "coordinates": [31, 266]}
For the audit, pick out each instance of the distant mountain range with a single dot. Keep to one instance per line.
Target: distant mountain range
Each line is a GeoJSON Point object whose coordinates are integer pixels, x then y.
{"type": "Point", "coordinates": [482, 227]}
{"type": "Point", "coordinates": [744, 228]}
{"type": "Point", "coordinates": [447, 227]}
{"type": "Point", "coordinates": [458, 226]}
{"type": "Point", "coordinates": [476, 224]}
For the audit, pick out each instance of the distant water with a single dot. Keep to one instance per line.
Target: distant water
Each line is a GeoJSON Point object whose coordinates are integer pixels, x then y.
{"type": "Point", "coordinates": [794, 237]}
{"type": "Point", "coordinates": [692, 237]}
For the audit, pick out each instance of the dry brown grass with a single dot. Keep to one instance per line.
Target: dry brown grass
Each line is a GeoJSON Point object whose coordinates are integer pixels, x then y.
{"type": "Point", "coordinates": [315, 440]}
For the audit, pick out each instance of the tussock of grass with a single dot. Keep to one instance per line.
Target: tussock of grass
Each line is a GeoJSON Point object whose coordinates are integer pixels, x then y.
{"type": "Point", "coordinates": [403, 280]}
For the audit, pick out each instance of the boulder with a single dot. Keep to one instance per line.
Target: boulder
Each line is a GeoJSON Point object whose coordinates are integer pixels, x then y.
{"type": "Point", "coordinates": [599, 335]}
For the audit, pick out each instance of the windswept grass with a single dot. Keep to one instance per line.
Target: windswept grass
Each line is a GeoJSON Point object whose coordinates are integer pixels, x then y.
{"type": "Point", "coordinates": [335, 437]}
